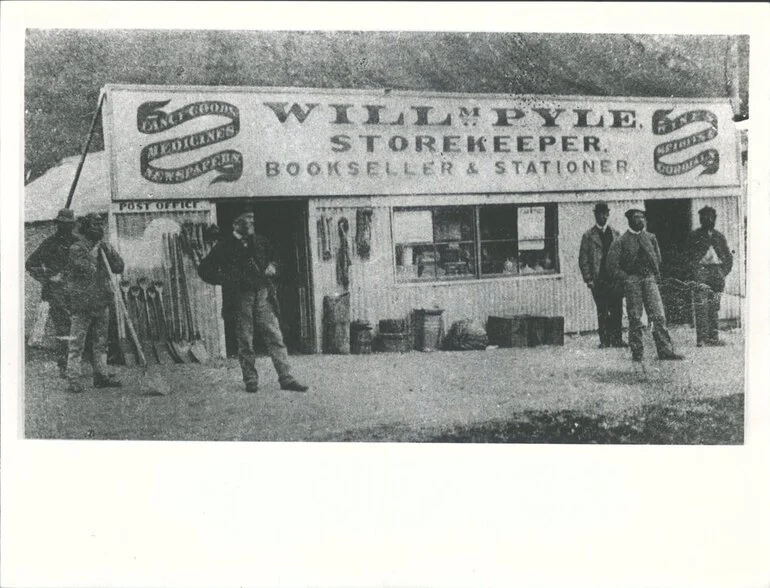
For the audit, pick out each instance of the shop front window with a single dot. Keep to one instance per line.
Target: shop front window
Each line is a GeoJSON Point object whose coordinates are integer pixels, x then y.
{"type": "Point", "coordinates": [471, 242]}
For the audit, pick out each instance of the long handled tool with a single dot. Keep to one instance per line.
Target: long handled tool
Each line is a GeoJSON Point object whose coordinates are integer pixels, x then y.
{"type": "Point", "coordinates": [130, 356]}
{"type": "Point", "coordinates": [164, 354]}
{"type": "Point", "coordinates": [131, 331]}
{"type": "Point", "coordinates": [181, 347]}
{"type": "Point", "coordinates": [197, 348]}
{"type": "Point", "coordinates": [182, 301]}
{"type": "Point", "coordinates": [163, 321]}
{"type": "Point", "coordinates": [161, 351]}
{"type": "Point", "coordinates": [137, 308]}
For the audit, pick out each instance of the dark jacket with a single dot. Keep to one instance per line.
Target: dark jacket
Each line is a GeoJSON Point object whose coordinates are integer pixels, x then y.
{"type": "Point", "coordinates": [624, 253]}
{"type": "Point", "coordinates": [87, 277]}
{"type": "Point", "coordinates": [591, 252]}
{"type": "Point", "coordinates": [233, 264]}
{"type": "Point", "coordinates": [49, 260]}
{"type": "Point", "coordinates": [698, 243]}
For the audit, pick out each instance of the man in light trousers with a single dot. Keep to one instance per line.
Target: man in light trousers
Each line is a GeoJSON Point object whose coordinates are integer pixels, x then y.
{"type": "Point", "coordinates": [634, 260]}
{"type": "Point", "coordinates": [89, 292]}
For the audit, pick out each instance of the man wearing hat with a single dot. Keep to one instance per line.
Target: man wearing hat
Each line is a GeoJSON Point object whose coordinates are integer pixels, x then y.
{"type": "Point", "coordinates": [90, 295]}
{"type": "Point", "coordinates": [594, 247]}
{"type": "Point", "coordinates": [46, 265]}
{"type": "Point", "coordinates": [709, 261]}
{"type": "Point", "coordinates": [247, 264]}
{"type": "Point", "coordinates": [634, 260]}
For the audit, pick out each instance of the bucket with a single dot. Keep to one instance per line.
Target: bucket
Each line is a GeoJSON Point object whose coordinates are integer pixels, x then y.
{"type": "Point", "coordinates": [336, 324]}
{"type": "Point", "coordinates": [360, 338]}
{"type": "Point", "coordinates": [429, 328]}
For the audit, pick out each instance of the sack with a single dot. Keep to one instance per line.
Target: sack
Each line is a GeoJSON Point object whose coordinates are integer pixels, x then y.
{"type": "Point", "coordinates": [209, 272]}
{"type": "Point", "coordinates": [466, 335]}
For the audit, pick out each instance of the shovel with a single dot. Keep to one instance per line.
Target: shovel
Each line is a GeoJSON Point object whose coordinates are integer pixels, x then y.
{"type": "Point", "coordinates": [130, 356]}
{"type": "Point", "coordinates": [161, 352]}
{"type": "Point", "coordinates": [163, 323]}
{"type": "Point", "coordinates": [197, 348]}
{"type": "Point", "coordinates": [141, 360]}
{"type": "Point", "coordinates": [159, 336]}
{"type": "Point", "coordinates": [181, 346]}
{"type": "Point", "coordinates": [139, 318]}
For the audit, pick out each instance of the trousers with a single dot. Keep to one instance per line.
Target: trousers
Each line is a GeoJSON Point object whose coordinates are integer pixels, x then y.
{"type": "Point", "coordinates": [642, 294]}
{"type": "Point", "coordinates": [60, 317]}
{"type": "Point", "coordinates": [609, 312]}
{"type": "Point", "coordinates": [707, 304]}
{"type": "Point", "coordinates": [256, 306]}
{"type": "Point", "coordinates": [98, 322]}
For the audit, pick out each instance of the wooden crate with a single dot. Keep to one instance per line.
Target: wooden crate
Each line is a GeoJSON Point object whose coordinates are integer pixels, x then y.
{"type": "Point", "coordinates": [554, 330]}
{"type": "Point", "coordinates": [524, 330]}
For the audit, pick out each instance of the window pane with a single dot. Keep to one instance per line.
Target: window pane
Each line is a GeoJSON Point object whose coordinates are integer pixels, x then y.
{"type": "Point", "coordinates": [497, 222]}
{"type": "Point", "coordinates": [412, 226]}
{"type": "Point", "coordinates": [538, 261]}
{"type": "Point", "coordinates": [499, 257]}
{"type": "Point", "coordinates": [531, 228]}
{"type": "Point", "coordinates": [453, 224]}
{"type": "Point", "coordinates": [456, 261]}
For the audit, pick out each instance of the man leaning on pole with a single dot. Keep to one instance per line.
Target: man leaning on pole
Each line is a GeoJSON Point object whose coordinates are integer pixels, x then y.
{"type": "Point", "coordinates": [90, 295]}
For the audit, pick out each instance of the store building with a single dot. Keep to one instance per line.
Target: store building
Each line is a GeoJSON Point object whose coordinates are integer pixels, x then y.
{"type": "Point", "coordinates": [470, 203]}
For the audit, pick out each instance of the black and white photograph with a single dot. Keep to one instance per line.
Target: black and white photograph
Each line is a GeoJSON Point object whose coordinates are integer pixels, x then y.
{"type": "Point", "coordinates": [280, 249]}
{"type": "Point", "coordinates": [385, 236]}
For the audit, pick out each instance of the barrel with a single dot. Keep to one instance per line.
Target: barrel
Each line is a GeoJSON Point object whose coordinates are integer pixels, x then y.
{"type": "Point", "coordinates": [429, 329]}
{"type": "Point", "coordinates": [360, 338]}
{"type": "Point", "coordinates": [336, 324]}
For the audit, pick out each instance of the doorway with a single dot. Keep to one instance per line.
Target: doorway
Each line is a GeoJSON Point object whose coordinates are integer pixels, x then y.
{"type": "Point", "coordinates": [284, 223]}
{"type": "Point", "coordinates": [671, 222]}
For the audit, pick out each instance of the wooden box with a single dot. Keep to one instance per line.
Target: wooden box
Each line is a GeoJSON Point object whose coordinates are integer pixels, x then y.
{"type": "Point", "coordinates": [525, 330]}
{"type": "Point", "coordinates": [554, 330]}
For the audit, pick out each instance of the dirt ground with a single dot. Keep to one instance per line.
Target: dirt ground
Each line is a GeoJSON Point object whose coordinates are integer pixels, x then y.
{"type": "Point", "coordinates": [543, 394]}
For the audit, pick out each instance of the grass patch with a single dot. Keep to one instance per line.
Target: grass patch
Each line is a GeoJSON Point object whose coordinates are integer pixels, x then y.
{"type": "Point", "coordinates": [712, 421]}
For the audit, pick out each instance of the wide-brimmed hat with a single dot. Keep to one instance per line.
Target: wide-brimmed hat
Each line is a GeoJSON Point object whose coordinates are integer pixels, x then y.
{"type": "Point", "coordinates": [244, 215]}
{"type": "Point", "coordinates": [601, 207]}
{"type": "Point", "coordinates": [91, 219]}
{"type": "Point", "coordinates": [631, 211]}
{"type": "Point", "coordinates": [65, 215]}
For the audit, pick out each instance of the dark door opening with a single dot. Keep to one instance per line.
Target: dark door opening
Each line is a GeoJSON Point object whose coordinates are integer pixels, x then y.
{"type": "Point", "coordinates": [671, 222]}
{"type": "Point", "coordinates": [284, 223]}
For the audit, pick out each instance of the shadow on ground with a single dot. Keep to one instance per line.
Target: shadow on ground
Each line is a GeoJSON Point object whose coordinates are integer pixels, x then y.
{"type": "Point", "coordinates": [717, 421]}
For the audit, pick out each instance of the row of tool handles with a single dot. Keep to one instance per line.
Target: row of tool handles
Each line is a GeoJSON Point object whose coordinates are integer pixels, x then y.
{"type": "Point", "coordinates": [159, 314]}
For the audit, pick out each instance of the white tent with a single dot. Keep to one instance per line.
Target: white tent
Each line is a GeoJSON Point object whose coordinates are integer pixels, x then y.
{"type": "Point", "coordinates": [47, 194]}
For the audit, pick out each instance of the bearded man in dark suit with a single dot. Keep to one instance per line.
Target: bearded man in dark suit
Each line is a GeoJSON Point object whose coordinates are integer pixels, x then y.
{"type": "Point", "coordinates": [594, 247]}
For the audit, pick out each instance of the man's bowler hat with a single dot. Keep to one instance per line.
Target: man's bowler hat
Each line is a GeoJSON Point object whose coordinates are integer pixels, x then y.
{"type": "Point", "coordinates": [601, 207]}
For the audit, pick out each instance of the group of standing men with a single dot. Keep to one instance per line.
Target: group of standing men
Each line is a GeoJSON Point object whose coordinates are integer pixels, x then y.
{"type": "Point", "coordinates": [75, 273]}
{"type": "Point", "coordinates": [615, 266]}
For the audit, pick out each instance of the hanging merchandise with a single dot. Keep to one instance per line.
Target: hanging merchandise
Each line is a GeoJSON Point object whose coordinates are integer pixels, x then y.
{"type": "Point", "coordinates": [343, 255]}
{"type": "Point", "coordinates": [327, 238]}
{"type": "Point", "coordinates": [364, 232]}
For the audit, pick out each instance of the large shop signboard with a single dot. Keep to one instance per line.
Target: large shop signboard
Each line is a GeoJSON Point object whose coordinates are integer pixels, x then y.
{"type": "Point", "coordinates": [208, 143]}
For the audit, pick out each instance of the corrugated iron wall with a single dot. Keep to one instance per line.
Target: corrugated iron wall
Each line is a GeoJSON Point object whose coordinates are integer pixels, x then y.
{"type": "Point", "coordinates": [375, 294]}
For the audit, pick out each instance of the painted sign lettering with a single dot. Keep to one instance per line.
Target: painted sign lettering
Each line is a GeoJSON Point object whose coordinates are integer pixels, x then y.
{"type": "Point", "coordinates": [303, 142]}
{"type": "Point", "coordinates": [150, 119]}
{"type": "Point", "coordinates": [708, 158]}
